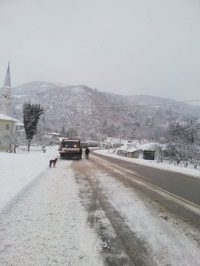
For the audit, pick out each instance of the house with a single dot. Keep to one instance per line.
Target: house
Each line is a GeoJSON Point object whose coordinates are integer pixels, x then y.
{"type": "Point", "coordinates": [51, 138]}
{"type": "Point", "coordinates": [19, 126]}
{"type": "Point", "coordinates": [133, 153]}
{"type": "Point", "coordinates": [149, 155]}
{"type": "Point", "coordinates": [123, 150]}
{"type": "Point", "coordinates": [147, 151]}
{"type": "Point", "coordinates": [7, 128]}
{"type": "Point", "coordinates": [19, 129]}
{"type": "Point", "coordinates": [128, 150]}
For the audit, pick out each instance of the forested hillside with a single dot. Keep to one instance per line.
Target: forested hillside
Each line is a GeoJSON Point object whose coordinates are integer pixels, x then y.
{"type": "Point", "coordinates": [92, 113]}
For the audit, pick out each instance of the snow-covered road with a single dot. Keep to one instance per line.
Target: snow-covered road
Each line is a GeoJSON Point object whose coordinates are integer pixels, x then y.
{"type": "Point", "coordinates": [148, 233]}
{"type": "Point", "coordinates": [86, 213]}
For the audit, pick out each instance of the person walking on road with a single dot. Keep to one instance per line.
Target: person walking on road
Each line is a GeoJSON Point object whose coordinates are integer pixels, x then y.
{"type": "Point", "coordinates": [87, 151]}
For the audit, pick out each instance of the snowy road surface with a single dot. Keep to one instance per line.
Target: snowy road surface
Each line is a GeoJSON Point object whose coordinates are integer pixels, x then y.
{"type": "Point", "coordinates": [88, 213]}
{"type": "Point", "coordinates": [182, 185]}
{"type": "Point", "coordinates": [48, 224]}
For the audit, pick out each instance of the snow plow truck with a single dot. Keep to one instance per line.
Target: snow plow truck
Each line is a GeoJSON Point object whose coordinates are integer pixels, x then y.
{"type": "Point", "coordinates": [70, 149]}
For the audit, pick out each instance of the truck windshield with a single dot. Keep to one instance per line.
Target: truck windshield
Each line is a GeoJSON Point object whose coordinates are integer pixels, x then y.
{"type": "Point", "coordinates": [70, 144]}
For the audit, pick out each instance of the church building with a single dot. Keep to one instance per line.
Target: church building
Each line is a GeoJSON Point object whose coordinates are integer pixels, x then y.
{"type": "Point", "coordinates": [7, 123]}
{"type": "Point", "coordinates": [6, 99]}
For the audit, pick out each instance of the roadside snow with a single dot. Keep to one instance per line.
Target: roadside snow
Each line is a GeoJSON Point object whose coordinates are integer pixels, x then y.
{"type": "Point", "coordinates": [171, 241]}
{"type": "Point", "coordinates": [150, 163]}
{"type": "Point", "coordinates": [17, 170]}
{"type": "Point", "coordinates": [48, 224]}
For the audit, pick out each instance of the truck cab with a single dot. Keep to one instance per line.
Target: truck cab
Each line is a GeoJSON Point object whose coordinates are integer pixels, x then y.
{"type": "Point", "coordinates": [70, 149]}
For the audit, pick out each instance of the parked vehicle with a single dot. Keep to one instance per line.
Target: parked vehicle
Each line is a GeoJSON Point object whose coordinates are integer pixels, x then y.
{"type": "Point", "coordinates": [70, 149]}
{"type": "Point", "coordinates": [84, 144]}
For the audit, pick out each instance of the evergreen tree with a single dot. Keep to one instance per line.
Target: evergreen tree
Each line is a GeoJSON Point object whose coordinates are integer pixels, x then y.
{"type": "Point", "coordinates": [63, 132]}
{"type": "Point", "coordinates": [31, 116]}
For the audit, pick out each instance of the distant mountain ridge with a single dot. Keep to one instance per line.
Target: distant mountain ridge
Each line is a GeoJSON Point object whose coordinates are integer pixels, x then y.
{"type": "Point", "coordinates": [91, 112]}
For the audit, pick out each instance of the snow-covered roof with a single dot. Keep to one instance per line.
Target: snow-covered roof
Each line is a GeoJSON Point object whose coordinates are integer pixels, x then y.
{"type": "Point", "coordinates": [124, 147]}
{"type": "Point", "coordinates": [73, 140]}
{"type": "Point", "coordinates": [8, 118]}
{"type": "Point", "coordinates": [152, 146]}
{"type": "Point", "coordinates": [148, 146]}
{"type": "Point", "coordinates": [47, 136]}
{"type": "Point", "coordinates": [19, 123]}
{"type": "Point", "coordinates": [54, 133]}
{"type": "Point", "coordinates": [132, 149]}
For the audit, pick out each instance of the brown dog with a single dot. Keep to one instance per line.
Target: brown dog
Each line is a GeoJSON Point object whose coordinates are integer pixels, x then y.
{"type": "Point", "coordinates": [53, 162]}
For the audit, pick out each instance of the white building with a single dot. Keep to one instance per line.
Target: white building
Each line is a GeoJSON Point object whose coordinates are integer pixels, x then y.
{"type": "Point", "coordinates": [51, 138]}
{"type": "Point", "coordinates": [6, 99]}
{"type": "Point", "coordinates": [19, 126]}
{"type": "Point", "coordinates": [8, 125]}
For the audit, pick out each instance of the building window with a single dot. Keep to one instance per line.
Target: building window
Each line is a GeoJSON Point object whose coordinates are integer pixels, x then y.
{"type": "Point", "coordinates": [19, 128]}
{"type": "Point", "coordinates": [7, 127]}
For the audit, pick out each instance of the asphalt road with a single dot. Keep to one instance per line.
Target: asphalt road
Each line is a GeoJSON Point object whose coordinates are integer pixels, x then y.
{"type": "Point", "coordinates": [181, 185]}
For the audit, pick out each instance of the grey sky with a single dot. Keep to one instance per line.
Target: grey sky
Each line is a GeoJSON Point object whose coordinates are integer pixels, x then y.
{"type": "Point", "coordinates": [120, 46]}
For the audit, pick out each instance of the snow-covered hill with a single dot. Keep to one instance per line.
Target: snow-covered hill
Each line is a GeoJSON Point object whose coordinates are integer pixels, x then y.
{"type": "Point", "coordinates": [91, 112]}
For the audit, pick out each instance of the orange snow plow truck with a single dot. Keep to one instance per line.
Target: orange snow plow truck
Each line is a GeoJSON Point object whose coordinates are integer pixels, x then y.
{"type": "Point", "coordinates": [70, 149]}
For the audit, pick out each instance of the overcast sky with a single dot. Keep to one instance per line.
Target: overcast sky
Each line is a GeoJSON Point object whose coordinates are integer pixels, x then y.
{"type": "Point", "coordinates": [121, 46]}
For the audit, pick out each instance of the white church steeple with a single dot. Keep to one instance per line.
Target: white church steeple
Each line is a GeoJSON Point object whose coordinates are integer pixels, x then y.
{"type": "Point", "coordinates": [7, 82]}
{"type": "Point", "coordinates": [5, 98]}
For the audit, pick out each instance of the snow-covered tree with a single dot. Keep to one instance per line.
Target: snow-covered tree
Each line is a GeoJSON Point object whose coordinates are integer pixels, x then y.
{"type": "Point", "coordinates": [71, 133]}
{"type": "Point", "coordinates": [38, 137]}
{"type": "Point", "coordinates": [112, 131]}
{"type": "Point", "coordinates": [63, 132]}
{"type": "Point", "coordinates": [184, 141]}
{"type": "Point", "coordinates": [31, 116]}
{"type": "Point", "coordinates": [93, 136]}
{"type": "Point", "coordinates": [17, 140]}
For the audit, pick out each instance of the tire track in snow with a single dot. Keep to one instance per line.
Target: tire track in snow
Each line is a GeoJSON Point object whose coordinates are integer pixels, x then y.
{"type": "Point", "coordinates": [135, 248]}
{"type": "Point", "coordinates": [169, 242]}
{"type": "Point", "coordinates": [47, 225]}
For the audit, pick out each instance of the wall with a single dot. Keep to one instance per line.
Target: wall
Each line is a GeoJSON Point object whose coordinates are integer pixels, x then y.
{"type": "Point", "coordinates": [6, 134]}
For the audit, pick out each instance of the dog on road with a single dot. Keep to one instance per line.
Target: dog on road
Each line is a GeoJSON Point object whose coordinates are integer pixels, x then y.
{"type": "Point", "coordinates": [53, 162]}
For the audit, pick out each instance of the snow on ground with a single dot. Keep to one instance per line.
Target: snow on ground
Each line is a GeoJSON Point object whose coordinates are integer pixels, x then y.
{"type": "Point", "coordinates": [154, 163]}
{"type": "Point", "coordinates": [18, 169]}
{"type": "Point", "coordinates": [47, 224]}
{"type": "Point", "coordinates": [171, 242]}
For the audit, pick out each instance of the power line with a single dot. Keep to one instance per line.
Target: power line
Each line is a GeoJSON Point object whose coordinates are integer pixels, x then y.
{"type": "Point", "coordinates": [127, 106]}
{"type": "Point", "coordinates": [137, 105]}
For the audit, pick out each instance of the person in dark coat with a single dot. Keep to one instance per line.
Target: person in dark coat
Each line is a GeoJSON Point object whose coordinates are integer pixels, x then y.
{"type": "Point", "coordinates": [81, 153]}
{"type": "Point", "coordinates": [87, 151]}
